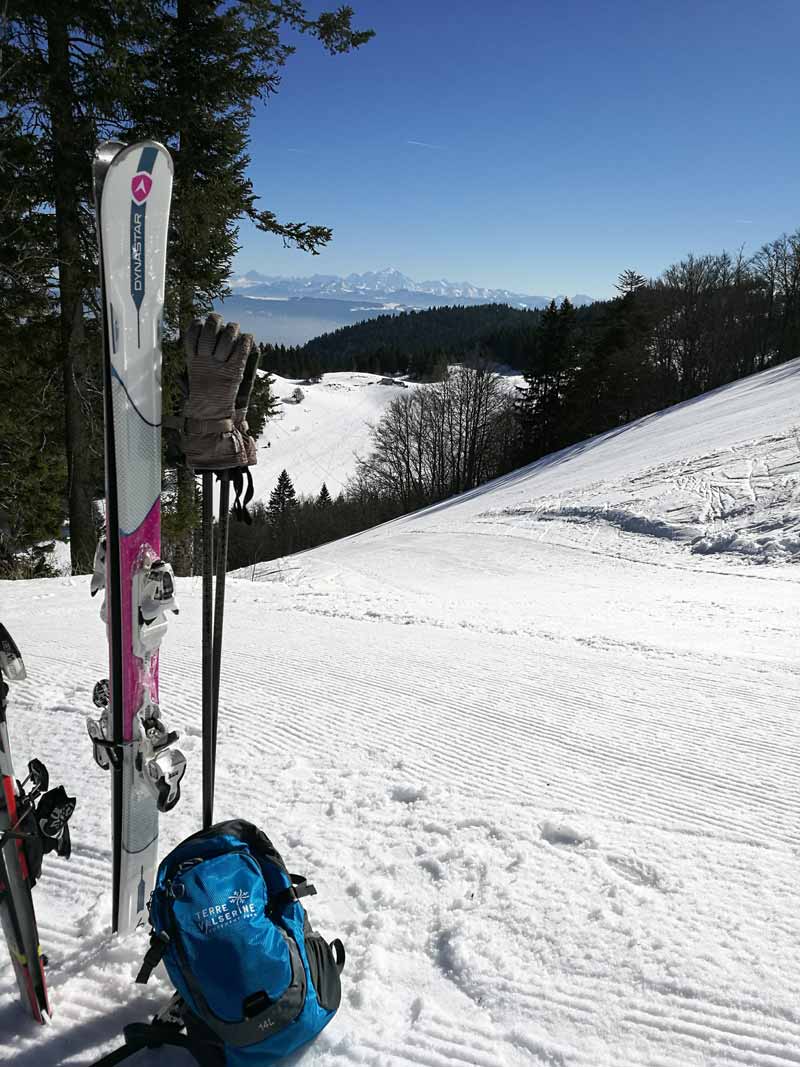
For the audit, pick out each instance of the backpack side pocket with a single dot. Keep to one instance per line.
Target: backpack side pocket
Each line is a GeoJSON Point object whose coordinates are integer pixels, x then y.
{"type": "Point", "coordinates": [325, 968]}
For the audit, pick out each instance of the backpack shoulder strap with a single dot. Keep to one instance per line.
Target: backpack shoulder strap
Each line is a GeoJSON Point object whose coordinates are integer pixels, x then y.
{"type": "Point", "coordinates": [139, 1036]}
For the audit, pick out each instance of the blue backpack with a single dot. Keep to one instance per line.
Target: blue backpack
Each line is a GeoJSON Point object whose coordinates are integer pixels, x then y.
{"type": "Point", "coordinates": [253, 980]}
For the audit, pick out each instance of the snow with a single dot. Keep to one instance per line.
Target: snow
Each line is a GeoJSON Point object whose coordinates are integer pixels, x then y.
{"type": "Point", "coordinates": [536, 746]}
{"type": "Point", "coordinates": [318, 440]}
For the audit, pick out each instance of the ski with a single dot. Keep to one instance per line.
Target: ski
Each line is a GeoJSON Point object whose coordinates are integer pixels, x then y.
{"type": "Point", "coordinates": [133, 188]}
{"type": "Point", "coordinates": [33, 820]}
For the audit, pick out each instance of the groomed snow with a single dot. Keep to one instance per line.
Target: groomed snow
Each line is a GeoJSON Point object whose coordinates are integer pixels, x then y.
{"type": "Point", "coordinates": [537, 747]}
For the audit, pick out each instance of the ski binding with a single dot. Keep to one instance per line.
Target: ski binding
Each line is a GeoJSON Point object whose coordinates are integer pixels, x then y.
{"type": "Point", "coordinates": [153, 597]}
{"type": "Point", "coordinates": [99, 575]}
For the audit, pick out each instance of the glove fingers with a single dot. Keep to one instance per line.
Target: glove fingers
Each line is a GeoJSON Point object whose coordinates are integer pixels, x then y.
{"type": "Point", "coordinates": [208, 336]}
{"type": "Point", "coordinates": [246, 350]}
{"type": "Point", "coordinates": [191, 336]}
{"type": "Point", "coordinates": [226, 342]}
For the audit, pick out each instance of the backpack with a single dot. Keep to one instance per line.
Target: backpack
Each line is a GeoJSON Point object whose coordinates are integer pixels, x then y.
{"type": "Point", "coordinates": [254, 981]}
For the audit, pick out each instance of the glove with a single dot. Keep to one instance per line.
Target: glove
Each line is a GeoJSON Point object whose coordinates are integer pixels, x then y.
{"type": "Point", "coordinates": [215, 361]}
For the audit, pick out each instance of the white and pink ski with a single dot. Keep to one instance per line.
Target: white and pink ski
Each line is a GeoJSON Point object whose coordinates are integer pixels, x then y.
{"type": "Point", "coordinates": [133, 189]}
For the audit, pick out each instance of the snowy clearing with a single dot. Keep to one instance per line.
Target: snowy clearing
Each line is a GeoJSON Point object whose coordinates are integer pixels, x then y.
{"type": "Point", "coordinates": [537, 747]}
{"type": "Point", "coordinates": [318, 440]}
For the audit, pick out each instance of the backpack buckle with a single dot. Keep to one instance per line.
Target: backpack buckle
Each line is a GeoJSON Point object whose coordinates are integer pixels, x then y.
{"type": "Point", "coordinates": [153, 956]}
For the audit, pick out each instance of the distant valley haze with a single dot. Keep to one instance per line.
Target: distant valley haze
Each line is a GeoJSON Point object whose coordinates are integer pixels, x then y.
{"type": "Point", "coordinates": [291, 310]}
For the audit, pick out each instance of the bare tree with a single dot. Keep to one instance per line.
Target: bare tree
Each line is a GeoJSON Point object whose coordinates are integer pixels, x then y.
{"type": "Point", "coordinates": [442, 439]}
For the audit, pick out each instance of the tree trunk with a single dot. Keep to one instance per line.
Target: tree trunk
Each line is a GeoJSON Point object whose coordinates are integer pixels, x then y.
{"type": "Point", "coordinates": [184, 544]}
{"type": "Point", "coordinates": [80, 491]}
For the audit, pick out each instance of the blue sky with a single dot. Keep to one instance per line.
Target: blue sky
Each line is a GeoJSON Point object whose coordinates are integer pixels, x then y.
{"type": "Point", "coordinates": [539, 146]}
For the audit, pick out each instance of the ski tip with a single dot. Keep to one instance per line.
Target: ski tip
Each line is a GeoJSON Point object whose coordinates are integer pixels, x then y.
{"type": "Point", "coordinates": [115, 151]}
{"type": "Point", "coordinates": [106, 151]}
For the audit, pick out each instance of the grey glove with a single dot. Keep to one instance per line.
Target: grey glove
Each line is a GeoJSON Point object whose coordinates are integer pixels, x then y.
{"type": "Point", "coordinates": [215, 361]}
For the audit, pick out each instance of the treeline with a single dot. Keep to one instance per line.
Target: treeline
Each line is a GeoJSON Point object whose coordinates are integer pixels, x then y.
{"type": "Point", "coordinates": [290, 524]}
{"type": "Point", "coordinates": [707, 321]}
{"type": "Point", "coordinates": [416, 343]}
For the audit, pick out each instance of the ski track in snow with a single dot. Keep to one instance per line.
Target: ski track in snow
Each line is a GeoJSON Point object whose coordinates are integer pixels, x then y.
{"type": "Point", "coordinates": [539, 757]}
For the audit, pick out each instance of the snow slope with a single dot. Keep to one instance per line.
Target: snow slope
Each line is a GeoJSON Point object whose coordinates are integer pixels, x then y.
{"type": "Point", "coordinates": [318, 440]}
{"type": "Point", "coordinates": [536, 746]}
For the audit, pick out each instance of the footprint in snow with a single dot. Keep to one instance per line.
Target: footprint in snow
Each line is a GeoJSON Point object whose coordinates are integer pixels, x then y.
{"type": "Point", "coordinates": [559, 833]}
{"type": "Point", "coordinates": [639, 873]}
{"type": "Point", "coordinates": [408, 793]}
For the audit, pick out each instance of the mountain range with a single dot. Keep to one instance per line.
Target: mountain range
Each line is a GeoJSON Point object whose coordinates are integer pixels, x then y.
{"type": "Point", "coordinates": [389, 287]}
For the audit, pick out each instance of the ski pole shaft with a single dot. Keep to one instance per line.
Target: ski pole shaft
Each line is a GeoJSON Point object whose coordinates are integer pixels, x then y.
{"type": "Point", "coordinates": [219, 610]}
{"type": "Point", "coordinates": [208, 661]}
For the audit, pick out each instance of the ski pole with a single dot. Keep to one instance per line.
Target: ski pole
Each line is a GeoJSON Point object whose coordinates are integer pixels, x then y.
{"type": "Point", "coordinates": [219, 610]}
{"type": "Point", "coordinates": [208, 661]}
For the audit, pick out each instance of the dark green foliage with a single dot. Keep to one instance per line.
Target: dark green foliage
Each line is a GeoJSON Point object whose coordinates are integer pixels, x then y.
{"type": "Point", "coordinates": [264, 405]}
{"type": "Point", "coordinates": [629, 281]}
{"type": "Point", "coordinates": [32, 471]}
{"type": "Point", "coordinates": [549, 377]}
{"type": "Point", "coordinates": [281, 514]}
{"type": "Point", "coordinates": [416, 343]}
{"type": "Point", "coordinates": [312, 524]}
{"type": "Point", "coordinates": [282, 499]}
{"type": "Point", "coordinates": [707, 321]}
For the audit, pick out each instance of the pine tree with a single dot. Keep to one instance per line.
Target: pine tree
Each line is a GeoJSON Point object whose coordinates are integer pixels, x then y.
{"type": "Point", "coordinates": [282, 500]}
{"type": "Point", "coordinates": [540, 409]}
{"type": "Point", "coordinates": [629, 281]}
{"type": "Point", "coordinates": [324, 498]}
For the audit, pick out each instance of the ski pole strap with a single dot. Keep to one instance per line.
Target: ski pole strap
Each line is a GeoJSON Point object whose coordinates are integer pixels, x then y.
{"type": "Point", "coordinates": [139, 1036]}
{"type": "Point", "coordinates": [238, 476]}
{"type": "Point", "coordinates": [153, 956]}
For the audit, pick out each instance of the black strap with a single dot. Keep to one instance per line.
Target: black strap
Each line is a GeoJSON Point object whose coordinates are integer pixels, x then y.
{"type": "Point", "coordinates": [339, 954]}
{"type": "Point", "coordinates": [248, 496]}
{"type": "Point", "coordinates": [153, 956]}
{"type": "Point", "coordinates": [153, 1035]}
{"type": "Point", "coordinates": [299, 888]}
{"type": "Point", "coordinates": [238, 476]}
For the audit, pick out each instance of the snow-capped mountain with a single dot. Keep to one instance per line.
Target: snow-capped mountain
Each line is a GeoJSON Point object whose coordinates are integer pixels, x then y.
{"type": "Point", "coordinates": [389, 285]}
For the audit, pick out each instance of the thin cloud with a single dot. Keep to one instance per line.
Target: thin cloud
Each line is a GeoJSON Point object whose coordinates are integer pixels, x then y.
{"type": "Point", "coordinates": [745, 222]}
{"type": "Point", "coordinates": [424, 144]}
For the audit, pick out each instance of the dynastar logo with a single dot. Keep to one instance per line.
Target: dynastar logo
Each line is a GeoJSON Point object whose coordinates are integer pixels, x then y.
{"type": "Point", "coordinates": [141, 184]}
{"type": "Point", "coordinates": [137, 267]}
